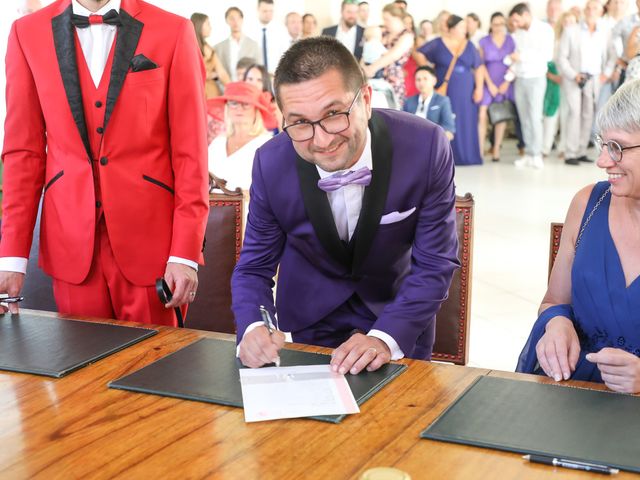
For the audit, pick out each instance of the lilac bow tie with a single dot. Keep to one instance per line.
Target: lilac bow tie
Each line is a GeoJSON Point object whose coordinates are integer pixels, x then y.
{"type": "Point", "coordinates": [362, 176]}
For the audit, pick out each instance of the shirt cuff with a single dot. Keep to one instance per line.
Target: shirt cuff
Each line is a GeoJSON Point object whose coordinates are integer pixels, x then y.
{"type": "Point", "coordinates": [14, 264]}
{"type": "Point", "coordinates": [287, 335]}
{"type": "Point", "coordinates": [396, 353]}
{"type": "Point", "coordinates": [183, 261]}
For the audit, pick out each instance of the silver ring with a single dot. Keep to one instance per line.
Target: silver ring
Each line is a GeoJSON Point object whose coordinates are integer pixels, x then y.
{"type": "Point", "coordinates": [375, 351]}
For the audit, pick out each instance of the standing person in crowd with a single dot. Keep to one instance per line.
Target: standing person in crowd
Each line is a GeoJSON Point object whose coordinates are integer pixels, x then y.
{"type": "Point", "coordinates": [363, 14]}
{"type": "Point", "coordinates": [429, 104]}
{"type": "Point", "coordinates": [425, 33]}
{"type": "Point", "coordinates": [273, 39]}
{"type": "Point", "coordinates": [398, 42]}
{"type": "Point", "coordinates": [474, 26]}
{"type": "Point", "coordinates": [216, 73]}
{"type": "Point", "coordinates": [411, 64]}
{"type": "Point", "coordinates": [293, 22]}
{"type": "Point", "coordinates": [246, 111]}
{"type": "Point", "coordinates": [371, 291]}
{"type": "Point", "coordinates": [460, 77]}
{"type": "Point", "coordinates": [587, 328]}
{"type": "Point", "coordinates": [347, 31]}
{"type": "Point", "coordinates": [498, 79]}
{"type": "Point", "coordinates": [309, 25]}
{"type": "Point", "coordinates": [614, 12]}
{"type": "Point", "coordinates": [620, 36]}
{"type": "Point", "coordinates": [534, 50]}
{"type": "Point", "coordinates": [440, 23]}
{"type": "Point", "coordinates": [554, 10]}
{"type": "Point", "coordinates": [585, 65]}
{"type": "Point", "coordinates": [554, 106]}
{"type": "Point", "coordinates": [402, 4]}
{"type": "Point", "coordinates": [114, 133]}
{"type": "Point", "coordinates": [238, 45]}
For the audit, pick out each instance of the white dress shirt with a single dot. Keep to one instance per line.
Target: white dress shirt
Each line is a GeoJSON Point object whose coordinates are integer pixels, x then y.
{"type": "Point", "coordinates": [278, 42]}
{"type": "Point", "coordinates": [347, 38]}
{"type": "Point", "coordinates": [234, 54]}
{"type": "Point", "coordinates": [96, 41]}
{"type": "Point", "coordinates": [346, 203]}
{"type": "Point", "coordinates": [535, 47]}
{"type": "Point", "coordinates": [423, 105]}
{"type": "Point", "coordinates": [593, 47]}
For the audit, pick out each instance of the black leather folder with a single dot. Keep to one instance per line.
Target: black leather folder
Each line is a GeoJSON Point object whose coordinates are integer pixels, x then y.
{"type": "Point", "coordinates": [526, 417]}
{"type": "Point", "coordinates": [54, 347]}
{"type": "Point", "coordinates": [208, 371]}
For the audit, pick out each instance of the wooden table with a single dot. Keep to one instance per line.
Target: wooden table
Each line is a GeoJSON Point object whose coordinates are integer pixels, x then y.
{"type": "Point", "coordinates": [75, 427]}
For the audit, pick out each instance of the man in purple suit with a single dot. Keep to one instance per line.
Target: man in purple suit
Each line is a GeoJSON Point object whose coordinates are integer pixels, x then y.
{"type": "Point", "coordinates": [357, 208]}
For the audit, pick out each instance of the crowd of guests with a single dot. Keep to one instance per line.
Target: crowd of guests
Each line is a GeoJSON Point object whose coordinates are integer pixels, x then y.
{"type": "Point", "coordinates": [542, 80]}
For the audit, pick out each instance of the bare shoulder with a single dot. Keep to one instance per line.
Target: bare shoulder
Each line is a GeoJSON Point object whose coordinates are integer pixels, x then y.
{"type": "Point", "coordinates": [576, 210]}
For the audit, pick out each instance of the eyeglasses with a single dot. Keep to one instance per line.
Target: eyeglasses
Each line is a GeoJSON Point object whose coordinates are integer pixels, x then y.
{"type": "Point", "coordinates": [332, 124]}
{"type": "Point", "coordinates": [613, 148]}
{"type": "Point", "coordinates": [235, 104]}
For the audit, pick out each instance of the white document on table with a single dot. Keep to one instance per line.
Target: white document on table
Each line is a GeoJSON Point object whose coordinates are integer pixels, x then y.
{"type": "Point", "coordinates": [290, 392]}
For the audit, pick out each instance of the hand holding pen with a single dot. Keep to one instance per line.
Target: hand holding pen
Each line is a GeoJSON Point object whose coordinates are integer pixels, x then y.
{"type": "Point", "coordinates": [260, 345]}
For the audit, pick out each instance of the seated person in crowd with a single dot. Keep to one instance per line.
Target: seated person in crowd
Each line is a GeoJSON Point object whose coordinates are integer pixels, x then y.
{"type": "Point", "coordinates": [366, 249]}
{"type": "Point", "coordinates": [373, 47]}
{"type": "Point", "coordinates": [589, 323]}
{"type": "Point", "coordinates": [429, 104]}
{"type": "Point", "coordinates": [245, 111]}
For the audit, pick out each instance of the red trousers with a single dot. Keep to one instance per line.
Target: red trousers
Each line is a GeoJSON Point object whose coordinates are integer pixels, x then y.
{"type": "Point", "coordinates": [106, 293]}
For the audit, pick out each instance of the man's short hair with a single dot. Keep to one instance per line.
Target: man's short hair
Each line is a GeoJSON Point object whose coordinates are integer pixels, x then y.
{"type": "Point", "coordinates": [402, 2]}
{"type": "Point", "coordinates": [270, 2]}
{"type": "Point", "coordinates": [363, 3]}
{"type": "Point", "coordinates": [520, 9]}
{"type": "Point", "coordinates": [310, 58]}
{"type": "Point", "coordinates": [426, 68]}
{"type": "Point", "coordinates": [348, 2]}
{"type": "Point", "coordinates": [231, 10]}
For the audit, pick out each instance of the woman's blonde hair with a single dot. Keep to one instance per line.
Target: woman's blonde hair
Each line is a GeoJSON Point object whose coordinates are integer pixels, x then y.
{"type": "Point", "coordinates": [257, 128]}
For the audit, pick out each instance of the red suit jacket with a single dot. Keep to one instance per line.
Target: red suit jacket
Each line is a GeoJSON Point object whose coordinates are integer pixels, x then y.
{"type": "Point", "coordinates": [153, 155]}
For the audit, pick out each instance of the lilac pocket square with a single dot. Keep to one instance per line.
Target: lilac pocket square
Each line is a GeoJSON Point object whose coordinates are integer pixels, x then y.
{"type": "Point", "coordinates": [396, 216]}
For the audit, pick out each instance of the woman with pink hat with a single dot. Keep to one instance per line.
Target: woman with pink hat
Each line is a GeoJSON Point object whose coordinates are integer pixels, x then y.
{"type": "Point", "coordinates": [248, 115]}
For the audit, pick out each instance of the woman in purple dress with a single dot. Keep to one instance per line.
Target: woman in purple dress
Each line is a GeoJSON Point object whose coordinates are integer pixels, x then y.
{"type": "Point", "coordinates": [464, 86]}
{"type": "Point", "coordinates": [497, 79]}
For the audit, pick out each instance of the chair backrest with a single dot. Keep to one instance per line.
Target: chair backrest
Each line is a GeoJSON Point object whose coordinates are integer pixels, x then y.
{"type": "Point", "coordinates": [211, 310]}
{"type": "Point", "coordinates": [554, 244]}
{"type": "Point", "coordinates": [452, 321]}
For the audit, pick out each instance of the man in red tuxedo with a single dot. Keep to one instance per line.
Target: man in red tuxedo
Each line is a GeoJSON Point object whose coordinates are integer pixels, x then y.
{"type": "Point", "coordinates": [106, 122]}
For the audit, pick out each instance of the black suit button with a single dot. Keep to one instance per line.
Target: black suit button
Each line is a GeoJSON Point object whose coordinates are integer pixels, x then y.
{"type": "Point", "coordinates": [98, 104]}
{"type": "Point", "coordinates": [104, 161]}
{"type": "Point", "coordinates": [100, 130]}
{"type": "Point", "coordinates": [98, 204]}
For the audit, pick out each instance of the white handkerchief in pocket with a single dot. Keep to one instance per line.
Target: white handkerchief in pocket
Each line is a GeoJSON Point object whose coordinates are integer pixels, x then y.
{"type": "Point", "coordinates": [396, 216]}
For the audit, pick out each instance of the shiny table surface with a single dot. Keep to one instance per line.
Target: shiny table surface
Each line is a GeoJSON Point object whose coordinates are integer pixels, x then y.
{"type": "Point", "coordinates": [76, 427]}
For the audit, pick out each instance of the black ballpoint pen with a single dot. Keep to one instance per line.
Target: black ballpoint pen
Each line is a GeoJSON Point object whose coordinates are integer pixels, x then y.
{"type": "Point", "coordinates": [268, 323]}
{"type": "Point", "coordinates": [573, 464]}
{"type": "Point", "coordinates": [11, 299]}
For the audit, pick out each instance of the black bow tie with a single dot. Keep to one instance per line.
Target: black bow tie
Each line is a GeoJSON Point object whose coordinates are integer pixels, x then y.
{"type": "Point", "coordinates": [110, 18]}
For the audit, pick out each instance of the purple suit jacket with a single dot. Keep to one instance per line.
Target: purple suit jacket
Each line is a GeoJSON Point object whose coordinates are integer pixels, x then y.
{"type": "Point", "coordinates": [401, 271]}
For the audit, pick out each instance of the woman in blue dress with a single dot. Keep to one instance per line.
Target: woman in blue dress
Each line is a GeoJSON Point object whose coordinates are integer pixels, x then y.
{"type": "Point", "coordinates": [589, 323]}
{"type": "Point", "coordinates": [464, 88]}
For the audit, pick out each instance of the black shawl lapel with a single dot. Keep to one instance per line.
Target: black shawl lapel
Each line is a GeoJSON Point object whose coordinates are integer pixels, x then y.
{"type": "Point", "coordinates": [64, 41]}
{"type": "Point", "coordinates": [319, 212]}
{"type": "Point", "coordinates": [375, 195]}
{"type": "Point", "coordinates": [126, 44]}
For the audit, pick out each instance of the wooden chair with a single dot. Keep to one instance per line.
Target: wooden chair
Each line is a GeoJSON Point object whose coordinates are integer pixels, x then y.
{"type": "Point", "coordinates": [211, 310]}
{"type": "Point", "coordinates": [554, 244]}
{"type": "Point", "coordinates": [452, 321]}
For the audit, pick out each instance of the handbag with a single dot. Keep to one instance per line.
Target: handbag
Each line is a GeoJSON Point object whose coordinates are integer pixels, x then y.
{"type": "Point", "coordinates": [442, 89]}
{"type": "Point", "coordinates": [501, 112]}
